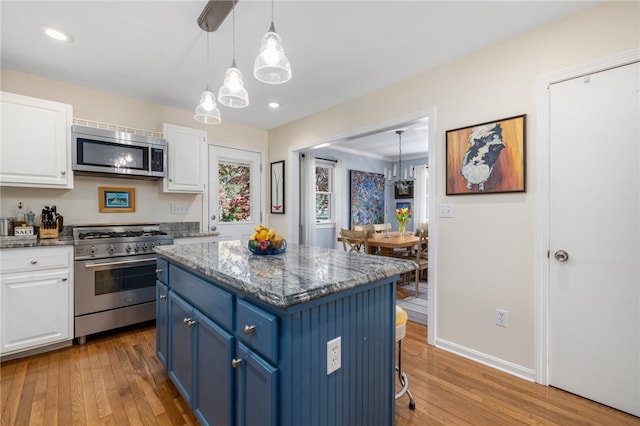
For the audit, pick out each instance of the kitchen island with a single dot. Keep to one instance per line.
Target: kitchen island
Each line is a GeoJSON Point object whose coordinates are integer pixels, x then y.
{"type": "Point", "coordinates": [303, 337]}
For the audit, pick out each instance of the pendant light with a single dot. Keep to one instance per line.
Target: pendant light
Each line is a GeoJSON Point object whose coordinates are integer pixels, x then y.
{"type": "Point", "coordinates": [271, 65]}
{"type": "Point", "coordinates": [232, 93]}
{"type": "Point", "coordinates": [207, 111]}
{"type": "Point", "coordinates": [397, 172]}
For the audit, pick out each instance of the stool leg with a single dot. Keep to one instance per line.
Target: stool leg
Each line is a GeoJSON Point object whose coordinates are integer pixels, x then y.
{"type": "Point", "coordinates": [404, 380]}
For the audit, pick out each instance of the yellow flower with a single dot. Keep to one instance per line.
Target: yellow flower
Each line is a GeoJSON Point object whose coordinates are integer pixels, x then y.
{"type": "Point", "coordinates": [403, 214]}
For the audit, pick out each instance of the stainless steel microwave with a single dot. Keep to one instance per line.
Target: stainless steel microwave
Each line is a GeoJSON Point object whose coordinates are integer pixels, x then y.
{"type": "Point", "coordinates": [117, 153]}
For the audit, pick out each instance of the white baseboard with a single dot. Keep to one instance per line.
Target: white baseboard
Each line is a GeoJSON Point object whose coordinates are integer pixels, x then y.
{"type": "Point", "coordinates": [491, 361]}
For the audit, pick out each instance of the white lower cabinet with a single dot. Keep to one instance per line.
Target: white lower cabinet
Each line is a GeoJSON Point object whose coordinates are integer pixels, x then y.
{"type": "Point", "coordinates": [36, 297]}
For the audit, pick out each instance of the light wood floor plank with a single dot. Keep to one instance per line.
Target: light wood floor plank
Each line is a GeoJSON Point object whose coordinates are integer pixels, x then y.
{"type": "Point", "coordinates": [116, 379]}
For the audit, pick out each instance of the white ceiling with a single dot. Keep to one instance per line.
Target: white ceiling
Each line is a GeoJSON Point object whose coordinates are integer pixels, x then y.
{"type": "Point", "coordinates": [339, 50]}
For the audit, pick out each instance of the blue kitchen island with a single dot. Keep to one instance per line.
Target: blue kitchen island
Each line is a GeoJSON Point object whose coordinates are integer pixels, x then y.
{"type": "Point", "coordinates": [244, 337]}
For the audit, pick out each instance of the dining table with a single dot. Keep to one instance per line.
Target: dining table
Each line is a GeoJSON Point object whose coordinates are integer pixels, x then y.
{"type": "Point", "coordinates": [385, 243]}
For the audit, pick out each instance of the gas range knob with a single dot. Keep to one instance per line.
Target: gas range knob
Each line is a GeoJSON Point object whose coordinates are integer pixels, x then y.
{"type": "Point", "coordinates": [137, 247]}
{"type": "Point", "coordinates": [153, 245]}
{"type": "Point", "coordinates": [146, 246]}
{"type": "Point", "coordinates": [111, 249]}
{"type": "Point", "coordinates": [92, 251]}
{"type": "Point", "coordinates": [128, 249]}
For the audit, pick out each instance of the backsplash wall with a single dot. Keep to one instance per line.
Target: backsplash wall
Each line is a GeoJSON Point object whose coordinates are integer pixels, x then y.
{"type": "Point", "coordinates": [80, 204]}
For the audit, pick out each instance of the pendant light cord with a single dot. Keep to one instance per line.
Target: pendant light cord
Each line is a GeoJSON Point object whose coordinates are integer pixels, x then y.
{"type": "Point", "coordinates": [208, 87]}
{"type": "Point", "coordinates": [233, 16]}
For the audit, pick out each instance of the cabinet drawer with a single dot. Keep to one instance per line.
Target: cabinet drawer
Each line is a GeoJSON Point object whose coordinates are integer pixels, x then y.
{"type": "Point", "coordinates": [35, 259]}
{"type": "Point", "coordinates": [258, 329]}
{"type": "Point", "coordinates": [214, 302]}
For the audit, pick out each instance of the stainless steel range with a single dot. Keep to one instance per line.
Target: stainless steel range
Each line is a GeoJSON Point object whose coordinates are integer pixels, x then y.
{"type": "Point", "coordinates": [115, 275]}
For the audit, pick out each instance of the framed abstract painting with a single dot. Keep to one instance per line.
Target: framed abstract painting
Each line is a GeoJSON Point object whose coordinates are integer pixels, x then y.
{"type": "Point", "coordinates": [367, 198]}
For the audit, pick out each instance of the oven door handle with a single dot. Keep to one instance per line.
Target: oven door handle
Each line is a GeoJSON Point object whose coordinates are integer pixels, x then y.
{"type": "Point", "coordinates": [119, 263]}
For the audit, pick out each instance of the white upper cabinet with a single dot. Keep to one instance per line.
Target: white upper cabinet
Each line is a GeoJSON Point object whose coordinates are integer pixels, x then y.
{"type": "Point", "coordinates": [187, 158]}
{"type": "Point", "coordinates": [35, 144]}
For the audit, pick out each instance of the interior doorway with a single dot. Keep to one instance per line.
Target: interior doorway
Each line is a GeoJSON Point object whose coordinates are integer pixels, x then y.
{"type": "Point", "coordinates": [297, 189]}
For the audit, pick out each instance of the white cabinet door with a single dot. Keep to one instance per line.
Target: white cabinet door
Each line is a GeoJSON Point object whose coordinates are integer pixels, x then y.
{"type": "Point", "coordinates": [35, 148]}
{"type": "Point", "coordinates": [187, 158]}
{"type": "Point", "coordinates": [36, 306]}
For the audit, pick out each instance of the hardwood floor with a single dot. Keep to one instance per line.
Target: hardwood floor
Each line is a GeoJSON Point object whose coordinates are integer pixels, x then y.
{"type": "Point", "coordinates": [115, 379]}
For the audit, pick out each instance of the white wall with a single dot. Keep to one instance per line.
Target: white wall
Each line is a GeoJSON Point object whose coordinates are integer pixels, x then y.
{"type": "Point", "coordinates": [486, 253]}
{"type": "Point", "coordinates": [80, 205]}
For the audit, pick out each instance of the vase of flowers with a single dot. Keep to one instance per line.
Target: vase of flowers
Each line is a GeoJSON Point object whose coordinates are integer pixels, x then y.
{"type": "Point", "coordinates": [403, 215]}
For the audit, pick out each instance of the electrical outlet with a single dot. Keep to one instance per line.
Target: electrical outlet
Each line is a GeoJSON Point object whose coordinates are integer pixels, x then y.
{"type": "Point", "coordinates": [502, 318]}
{"type": "Point", "coordinates": [334, 355]}
{"type": "Point", "coordinates": [177, 208]}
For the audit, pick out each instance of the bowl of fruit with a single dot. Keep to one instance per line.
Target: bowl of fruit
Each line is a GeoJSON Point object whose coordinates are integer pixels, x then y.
{"type": "Point", "coordinates": [266, 241]}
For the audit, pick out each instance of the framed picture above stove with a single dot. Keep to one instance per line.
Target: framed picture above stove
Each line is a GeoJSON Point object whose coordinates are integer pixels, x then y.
{"type": "Point", "coordinates": [116, 200]}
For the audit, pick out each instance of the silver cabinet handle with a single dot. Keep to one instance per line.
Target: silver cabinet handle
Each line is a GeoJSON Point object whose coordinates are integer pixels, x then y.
{"type": "Point", "coordinates": [63, 173]}
{"type": "Point", "coordinates": [561, 256]}
{"type": "Point", "coordinates": [249, 329]}
{"type": "Point", "coordinates": [163, 296]}
{"type": "Point", "coordinates": [189, 322]}
{"type": "Point", "coordinates": [213, 217]}
{"type": "Point", "coordinates": [33, 262]}
{"type": "Point", "coordinates": [159, 271]}
{"type": "Point", "coordinates": [236, 362]}
{"type": "Point", "coordinates": [63, 279]}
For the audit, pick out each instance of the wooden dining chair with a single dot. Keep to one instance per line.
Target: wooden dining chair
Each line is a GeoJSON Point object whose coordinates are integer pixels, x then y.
{"type": "Point", "coordinates": [368, 228]}
{"type": "Point", "coordinates": [381, 227]}
{"type": "Point", "coordinates": [421, 256]}
{"type": "Point", "coordinates": [354, 240]}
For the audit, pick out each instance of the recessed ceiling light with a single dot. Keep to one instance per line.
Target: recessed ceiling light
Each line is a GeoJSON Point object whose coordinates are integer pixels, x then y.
{"type": "Point", "coordinates": [57, 34]}
{"type": "Point", "coordinates": [273, 105]}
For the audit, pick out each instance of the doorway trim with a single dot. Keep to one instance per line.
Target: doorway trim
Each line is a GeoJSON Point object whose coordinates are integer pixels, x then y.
{"type": "Point", "coordinates": [293, 188]}
{"type": "Point", "coordinates": [542, 263]}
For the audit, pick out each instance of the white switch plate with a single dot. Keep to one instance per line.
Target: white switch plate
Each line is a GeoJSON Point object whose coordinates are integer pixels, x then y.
{"type": "Point", "coordinates": [177, 208]}
{"type": "Point", "coordinates": [445, 210]}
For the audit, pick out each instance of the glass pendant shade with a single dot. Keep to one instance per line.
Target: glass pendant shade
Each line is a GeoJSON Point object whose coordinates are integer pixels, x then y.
{"type": "Point", "coordinates": [232, 93]}
{"type": "Point", "coordinates": [271, 65]}
{"type": "Point", "coordinates": [207, 111]}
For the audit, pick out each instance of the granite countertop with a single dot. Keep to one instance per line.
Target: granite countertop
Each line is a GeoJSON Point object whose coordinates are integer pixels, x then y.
{"type": "Point", "coordinates": [34, 241]}
{"type": "Point", "coordinates": [194, 234]}
{"type": "Point", "coordinates": [298, 275]}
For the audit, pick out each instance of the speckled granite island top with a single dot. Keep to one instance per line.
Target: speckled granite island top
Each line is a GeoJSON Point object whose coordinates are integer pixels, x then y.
{"type": "Point", "coordinates": [298, 275]}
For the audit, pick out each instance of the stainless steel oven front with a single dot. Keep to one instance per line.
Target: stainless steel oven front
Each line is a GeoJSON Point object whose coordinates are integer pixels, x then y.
{"type": "Point", "coordinates": [113, 292]}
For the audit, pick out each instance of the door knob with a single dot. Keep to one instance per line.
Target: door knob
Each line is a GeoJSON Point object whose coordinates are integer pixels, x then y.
{"type": "Point", "coordinates": [561, 256]}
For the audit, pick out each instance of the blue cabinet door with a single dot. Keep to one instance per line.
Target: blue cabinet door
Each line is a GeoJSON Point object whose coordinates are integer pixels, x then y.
{"type": "Point", "coordinates": [215, 390]}
{"type": "Point", "coordinates": [257, 389]}
{"type": "Point", "coordinates": [162, 322]}
{"type": "Point", "coordinates": [181, 347]}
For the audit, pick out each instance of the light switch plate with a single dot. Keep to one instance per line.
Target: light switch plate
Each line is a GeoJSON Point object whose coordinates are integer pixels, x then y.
{"type": "Point", "coordinates": [445, 210]}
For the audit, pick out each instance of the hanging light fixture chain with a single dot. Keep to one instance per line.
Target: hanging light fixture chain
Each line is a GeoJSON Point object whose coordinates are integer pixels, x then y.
{"type": "Point", "coordinates": [399, 132]}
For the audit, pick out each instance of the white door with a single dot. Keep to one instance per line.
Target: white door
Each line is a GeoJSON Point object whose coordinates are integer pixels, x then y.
{"type": "Point", "coordinates": [234, 192]}
{"type": "Point", "coordinates": [594, 295]}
